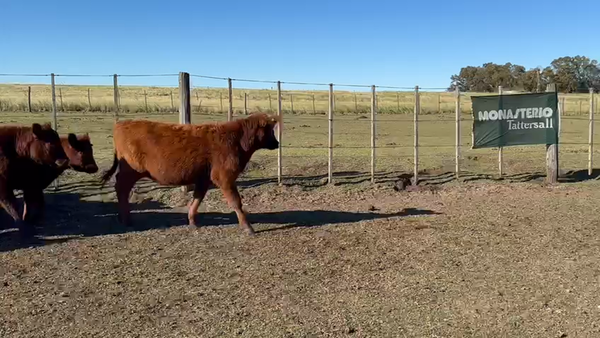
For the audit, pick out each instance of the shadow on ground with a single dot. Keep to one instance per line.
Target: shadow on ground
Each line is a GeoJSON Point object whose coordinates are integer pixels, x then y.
{"type": "Point", "coordinates": [68, 216]}
{"type": "Point", "coordinates": [90, 187]}
{"type": "Point", "coordinates": [575, 176]}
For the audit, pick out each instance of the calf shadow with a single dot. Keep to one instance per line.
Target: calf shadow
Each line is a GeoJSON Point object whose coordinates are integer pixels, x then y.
{"type": "Point", "coordinates": [69, 218]}
{"type": "Point", "coordinates": [576, 176]}
{"type": "Point", "coordinates": [315, 218]}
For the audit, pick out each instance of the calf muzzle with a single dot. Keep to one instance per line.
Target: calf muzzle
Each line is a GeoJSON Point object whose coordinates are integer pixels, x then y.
{"type": "Point", "coordinates": [91, 168]}
{"type": "Point", "coordinates": [62, 163]}
{"type": "Point", "coordinates": [272, 144]}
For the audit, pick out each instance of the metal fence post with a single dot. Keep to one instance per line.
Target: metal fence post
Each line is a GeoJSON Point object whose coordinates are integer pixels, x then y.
{"type": "Point", "coordinates": [416, 136]}
{"type": "Point", "coordinates": [330, 155]}
{"type": "Point", "coordinates": [373, 132]}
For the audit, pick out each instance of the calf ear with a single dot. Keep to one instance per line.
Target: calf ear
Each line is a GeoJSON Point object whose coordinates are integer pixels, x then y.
{"type": "Point", "coordinates": [274, 119]}
{"type": "Point", "coordinates": [36, 128]}
{"type": "Point", "coordinates": [246, 142]}
{"type": "Point", "coordinates": [276, 122]}
{"type": "Point", "coordinates": [73, 140]}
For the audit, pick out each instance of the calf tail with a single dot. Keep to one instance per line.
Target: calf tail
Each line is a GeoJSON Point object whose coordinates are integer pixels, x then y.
{"type": "Point", "coordinates": [110, 172]}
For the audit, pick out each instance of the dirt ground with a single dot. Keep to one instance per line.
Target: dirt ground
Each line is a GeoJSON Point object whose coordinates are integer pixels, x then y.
{"type": "Point", "coordinates": [475, 259]}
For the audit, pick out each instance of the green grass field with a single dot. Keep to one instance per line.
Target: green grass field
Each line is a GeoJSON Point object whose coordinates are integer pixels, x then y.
{"type": "Point", "coordinates": [305, 133]}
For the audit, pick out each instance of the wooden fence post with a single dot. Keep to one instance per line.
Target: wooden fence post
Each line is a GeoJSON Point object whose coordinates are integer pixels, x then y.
{"type": "Point", "coordinates": [330, 155]}
{"type": "Point", "coordinates": [116, 95]}
{"type": "Point", "coordinates": [500, 149]}
{"type": "Point", "coordinates": [29, 98]}
{"type": "Point", "coordinates": [54, 116]}
{"type": "Point", "coordinates": [373, 132]}
{"type": "Point", "coordinates": [90, 99]}
{"type": "Point", "coordinates": [439, 103]}
{"type": "Point", "coordinates": [146, 101]}
{"type": "Point", "coordinates": [245, 103]}
{"type": "Point", "coordinates": [200, 102]}
{"type": "Point", "coordinates": [416, 136]}
{"type": "Point", "coordinates": [230, 110]}
{"type": "Point", "coordinates": [551, 152]}
{"type": "Point", "coordinates": [270, 104]}
{"type": "Point", "coordinates": [62, 105]}
{"type": "Point", "coordinates": [279, 133]}
{"type": "Point", "coordinates": [561, 111]}
{"type": "Point", "coordinates": [221, 101]}
{"type": "Point", "coordinates": [591, 135]}
{"type": "Point", "coordinates": [292, 102]}
{"type": "Point", "coordinates": [54, 109]}
{"type": "Point", "coordinates": [172, 102]}
{"type": "Point", "coordinates": [457, 141]}
{"type": "Point", "coordinates": [313, 104]}
{"type": "Point", "coordinates": [185, 106]}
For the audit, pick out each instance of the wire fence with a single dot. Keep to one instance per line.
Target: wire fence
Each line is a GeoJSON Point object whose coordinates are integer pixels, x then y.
{"type": "Point", "coordinates": [373, 131]}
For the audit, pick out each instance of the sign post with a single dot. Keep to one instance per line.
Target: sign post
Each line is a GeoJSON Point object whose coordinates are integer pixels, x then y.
{"type": "Point", "coordinates": [552, 147]}
{"type": "Point", "coordinates": [515, 120]}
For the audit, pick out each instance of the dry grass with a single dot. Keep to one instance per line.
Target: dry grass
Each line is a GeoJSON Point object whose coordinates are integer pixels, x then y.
{"type": "Point", "coordinates": [305, 141]}
{"type": "Point", "coordinates": [136, 99]}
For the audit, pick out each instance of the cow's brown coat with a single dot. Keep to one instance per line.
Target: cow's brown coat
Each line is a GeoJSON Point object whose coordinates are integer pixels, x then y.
{"type": "Point", "coordinates": [176, 154]}
{"type": "Point", "coordinates": [38, 144]}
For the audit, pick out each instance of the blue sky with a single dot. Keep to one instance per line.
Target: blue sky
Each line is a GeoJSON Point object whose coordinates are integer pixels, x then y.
{"type": "Point", "coordinates": [396, 43]}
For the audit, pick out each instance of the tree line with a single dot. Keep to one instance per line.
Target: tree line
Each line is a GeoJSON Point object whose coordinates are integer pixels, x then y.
{"type": "Point", "coordinates": [571, 74]}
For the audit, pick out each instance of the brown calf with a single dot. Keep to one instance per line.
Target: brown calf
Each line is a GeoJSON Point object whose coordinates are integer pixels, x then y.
{"type": "Point", "coordinates": [176, 154]}
{"type": "Point", "coordinates": [37, 144]}
{"type": "Point", "coordinates": [81, 158]}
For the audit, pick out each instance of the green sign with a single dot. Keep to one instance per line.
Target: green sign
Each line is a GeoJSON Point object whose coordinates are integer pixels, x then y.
{"type": "Point", "coordinates": [512, 120]}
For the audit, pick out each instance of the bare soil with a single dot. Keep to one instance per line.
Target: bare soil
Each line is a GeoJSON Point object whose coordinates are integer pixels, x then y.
{"type": "Point", "coordinates": [479, 259]}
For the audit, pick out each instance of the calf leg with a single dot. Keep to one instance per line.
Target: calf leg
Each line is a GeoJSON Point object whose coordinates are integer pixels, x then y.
{"type": "Point", "coordinates": [125, 181]}
{"type": "Point", "coordinates": [8, 201]}
{"type": "Point", "coordinates": [33, 205]}
{"type": "Point", "coordinates": [235, 201]}
{"type": "Point", "coordinates": [200, 190]}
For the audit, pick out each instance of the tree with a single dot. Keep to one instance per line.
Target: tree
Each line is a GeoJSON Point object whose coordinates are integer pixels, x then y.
{"type": "Point", "coordinates": [571, 74]}
{"type": "Point", "coordinates": [488, 77]}
{"type": "Point", "coordinates": [547, 77]}
{"type": "Point", "coordinates": [532, 80]}
{"type": "Point", "coordinates": [576, 74]}
{"type": "Point", "coordinates": [565, 74]}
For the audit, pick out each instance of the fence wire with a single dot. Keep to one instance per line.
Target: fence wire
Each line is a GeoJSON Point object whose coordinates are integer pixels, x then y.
{"type": "Point", "coordinates": [85, 108]}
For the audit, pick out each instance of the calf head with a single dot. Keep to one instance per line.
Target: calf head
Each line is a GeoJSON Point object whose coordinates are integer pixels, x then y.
{"type": "Point", "coordinates": [260, 132]}
{"type": "Point", "coordinates": [80, 153]}
{"type": "Point", "coordinates": [45, 146]}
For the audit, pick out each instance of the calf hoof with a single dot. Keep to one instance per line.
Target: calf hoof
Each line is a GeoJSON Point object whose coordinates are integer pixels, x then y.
{"type": "Point", "coordinates": [127, 226]}
{"type": "Point", "coordinates": [192, 223]}
{"type": "Point", "coordinates": [26, 231]}
{"type": "Point", "coordinates": [124, 221]}
{"type": "Point", "coordinates": [249, 231]}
